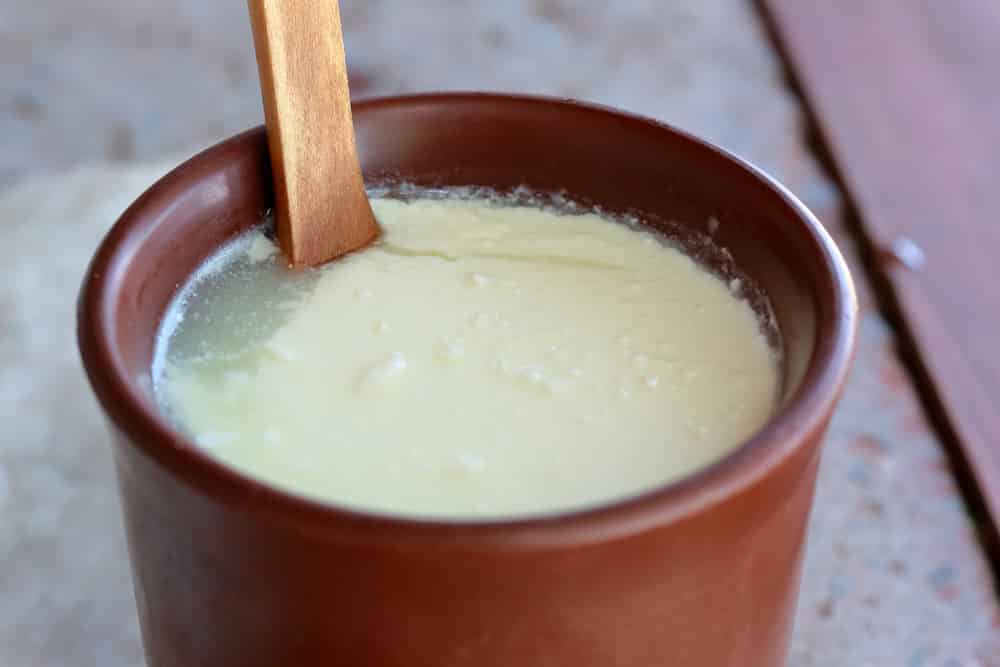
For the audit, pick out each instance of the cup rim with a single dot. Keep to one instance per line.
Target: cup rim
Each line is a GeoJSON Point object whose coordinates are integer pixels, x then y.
{"type": "Point", "coordinates": [800, 417]}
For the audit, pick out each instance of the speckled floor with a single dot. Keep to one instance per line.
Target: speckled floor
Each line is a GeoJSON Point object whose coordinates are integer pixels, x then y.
{"type": "Point", "coordinates": [90, 90]}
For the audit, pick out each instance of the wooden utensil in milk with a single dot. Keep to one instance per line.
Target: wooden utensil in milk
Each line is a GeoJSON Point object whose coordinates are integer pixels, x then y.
{"type": "Point", "coordinates": [322, 210]}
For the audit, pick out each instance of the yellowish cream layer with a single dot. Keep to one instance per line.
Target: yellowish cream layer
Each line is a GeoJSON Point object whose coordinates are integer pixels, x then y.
{"type": "Point", "coordinates": [480, 361]}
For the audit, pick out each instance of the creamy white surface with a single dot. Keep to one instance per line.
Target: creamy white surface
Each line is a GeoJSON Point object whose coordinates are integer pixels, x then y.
{"type": "Point", "coordinates": [479, 361]}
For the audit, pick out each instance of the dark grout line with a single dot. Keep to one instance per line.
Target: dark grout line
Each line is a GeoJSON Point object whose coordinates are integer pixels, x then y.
{"type": "Point", "coordinates": [890, 307]}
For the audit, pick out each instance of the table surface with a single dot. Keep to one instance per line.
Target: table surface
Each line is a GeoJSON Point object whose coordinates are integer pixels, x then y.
{"type": "Point", "coordinates": [96, 99]}
{"type": "Point", "coordinates": [919, 157]}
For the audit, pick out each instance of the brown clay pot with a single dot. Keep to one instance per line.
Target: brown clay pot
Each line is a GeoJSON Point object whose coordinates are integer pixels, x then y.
{"type": "Point", "coordinates": [702, 572]}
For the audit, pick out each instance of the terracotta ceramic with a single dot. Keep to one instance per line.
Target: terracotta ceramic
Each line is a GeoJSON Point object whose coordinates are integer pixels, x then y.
{"type": "Point", "coordinates": [702, 572]}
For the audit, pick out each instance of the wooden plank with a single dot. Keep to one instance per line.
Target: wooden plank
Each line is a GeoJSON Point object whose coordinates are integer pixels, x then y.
{"type": "Point", "coordinates": [906, 94]}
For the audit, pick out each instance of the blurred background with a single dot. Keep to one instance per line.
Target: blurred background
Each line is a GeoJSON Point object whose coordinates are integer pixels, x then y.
{"type": "Point", "coordinates": [110, 80]}
{"type": "Point", "coordinates": [100, 97]}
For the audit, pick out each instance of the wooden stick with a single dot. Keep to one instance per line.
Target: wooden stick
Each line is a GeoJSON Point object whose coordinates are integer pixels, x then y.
{"type": "Point", "coordinates": [320, 201]}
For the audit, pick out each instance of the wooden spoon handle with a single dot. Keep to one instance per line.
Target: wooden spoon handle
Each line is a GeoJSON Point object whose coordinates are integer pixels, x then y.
{"type": "Point", "coordinates": [321, 208]}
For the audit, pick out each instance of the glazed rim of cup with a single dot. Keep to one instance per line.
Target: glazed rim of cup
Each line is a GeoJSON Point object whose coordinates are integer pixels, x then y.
{"type": "Point", "coordinates": [127, 401]}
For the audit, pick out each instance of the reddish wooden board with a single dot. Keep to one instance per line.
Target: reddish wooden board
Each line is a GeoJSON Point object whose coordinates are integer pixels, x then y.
{"type": "Point", "coordinates": [906, 94]}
